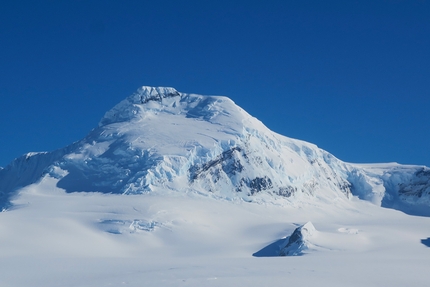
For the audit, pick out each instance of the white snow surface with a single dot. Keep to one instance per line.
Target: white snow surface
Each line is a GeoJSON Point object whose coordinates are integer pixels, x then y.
{"type": "Point", "coordinates": [175, 189]}
{"type": "Point", "coordinates": [54, 238]}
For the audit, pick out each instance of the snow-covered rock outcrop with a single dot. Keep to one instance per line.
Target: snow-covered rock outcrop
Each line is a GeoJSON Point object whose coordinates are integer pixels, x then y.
{"type": "Point", "coordinates": [160, 139]}
{"type": "Point", "coordinates": [298, 241]}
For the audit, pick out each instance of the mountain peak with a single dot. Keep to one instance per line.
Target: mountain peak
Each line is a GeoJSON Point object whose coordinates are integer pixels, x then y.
{"type": "Point", "coordinates": [146, 93]}
{"type": "Point", "coordinates": [127, 109]}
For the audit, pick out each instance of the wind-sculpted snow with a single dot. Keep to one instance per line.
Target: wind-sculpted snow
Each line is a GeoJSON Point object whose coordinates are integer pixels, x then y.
{"type": "Point", "coordinates": [159, 139]}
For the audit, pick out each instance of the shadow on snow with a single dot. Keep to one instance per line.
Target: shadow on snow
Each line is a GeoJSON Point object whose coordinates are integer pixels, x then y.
{"type": "Point", "coordinates": [271, 250]}
{"type": "Point", "coordinates": [426, 242]}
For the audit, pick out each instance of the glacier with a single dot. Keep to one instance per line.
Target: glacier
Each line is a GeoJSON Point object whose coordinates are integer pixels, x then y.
{"type": "Point", "coordinates": [160, 140]}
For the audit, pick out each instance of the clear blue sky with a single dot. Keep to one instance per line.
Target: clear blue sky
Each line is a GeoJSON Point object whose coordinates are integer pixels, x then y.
{"type": "Point", "coordinates": [352, 77]}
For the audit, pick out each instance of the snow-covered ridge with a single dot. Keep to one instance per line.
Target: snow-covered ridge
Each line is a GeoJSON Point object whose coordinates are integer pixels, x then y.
{"type": "Point", "coordinates": [159, 139]}
{"type": "Point", "coordinates": [25, 170]}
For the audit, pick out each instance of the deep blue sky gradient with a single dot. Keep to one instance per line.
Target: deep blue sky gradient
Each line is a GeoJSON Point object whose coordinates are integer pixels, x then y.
{"type": "Point", "coordinates": [352, 77]}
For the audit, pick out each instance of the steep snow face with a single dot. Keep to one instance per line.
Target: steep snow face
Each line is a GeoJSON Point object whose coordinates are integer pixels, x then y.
{"type": "Point", "coordinates": [159, 139]}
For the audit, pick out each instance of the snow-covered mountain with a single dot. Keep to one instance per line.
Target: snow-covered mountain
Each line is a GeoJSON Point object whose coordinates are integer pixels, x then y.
{"type": "Point", "coordinates": [160, 140]}
{"type": "Point", "coordinates": [194, 162]}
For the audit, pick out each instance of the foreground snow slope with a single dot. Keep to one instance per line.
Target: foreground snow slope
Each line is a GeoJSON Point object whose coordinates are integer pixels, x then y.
{"type": "Point", "coordinates": [159, 139]}
{"type": "Point", "coordinates": [54, 238]}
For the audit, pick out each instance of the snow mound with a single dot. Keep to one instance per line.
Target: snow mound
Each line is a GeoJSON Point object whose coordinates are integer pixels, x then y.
{"type": "Point", "coordinates": [299, 240]}
{"type": "Point", "coordinates": [116, 226]}
{"type": "Point", "coordinates": [347, 230]}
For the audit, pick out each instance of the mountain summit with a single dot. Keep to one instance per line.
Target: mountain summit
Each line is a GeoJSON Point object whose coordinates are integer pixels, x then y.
{"type": "Point", "coordinates": [159, 140]}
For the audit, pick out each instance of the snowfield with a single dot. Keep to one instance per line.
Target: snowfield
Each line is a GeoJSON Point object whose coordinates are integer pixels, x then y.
{"type": "Point", "coordinates": [52, 238]}
{"type": "Point", "coordinates": [175, 189]}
